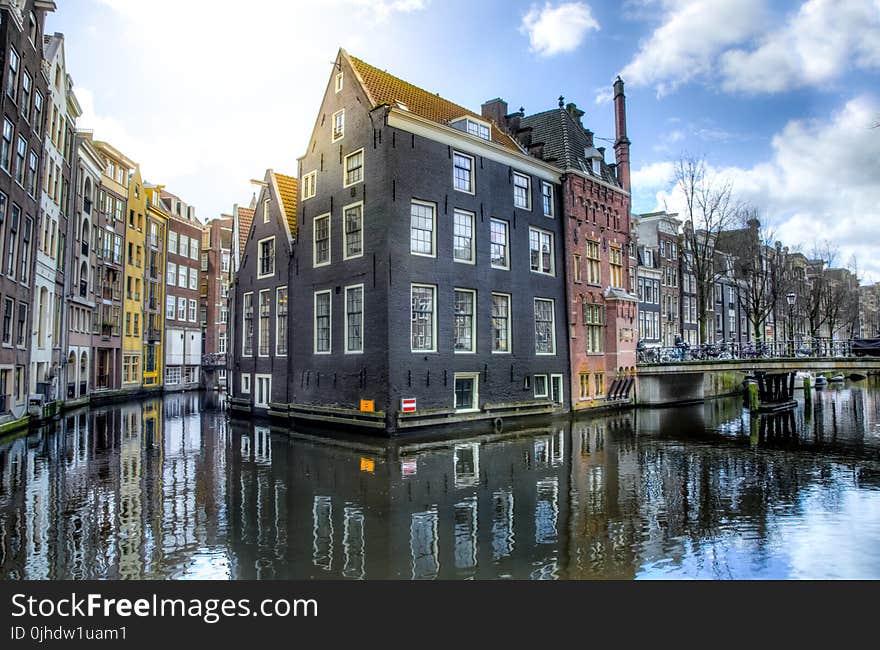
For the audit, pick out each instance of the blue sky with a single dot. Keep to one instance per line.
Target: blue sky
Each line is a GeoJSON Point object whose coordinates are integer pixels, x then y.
{"type": "Point", "coordinates": [779, 97]}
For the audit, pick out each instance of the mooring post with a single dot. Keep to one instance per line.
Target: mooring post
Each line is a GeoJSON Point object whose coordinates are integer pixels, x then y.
{"type": "Point", "coordinates": [808, 393]}
{"type": "Point", "coordinates": [754, 401]}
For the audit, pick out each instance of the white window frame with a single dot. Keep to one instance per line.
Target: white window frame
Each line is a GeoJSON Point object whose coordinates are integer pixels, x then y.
{"type": "Point", "coordinates": [473, 293]}
{"type": "Point", "coordinates": [310, 185]}
{"type": "Point", "coordinates": [315, 262]}
{"type": "Point", "coordinates": [333, 136]}
{"type": "Point", "coordinates": [552, 213]}
{"type": "Point", "coordinates": [244, 320]}
{"type": "Point", "coordinates": [433, 288]}
{"type": "Point", "coordinates": [277, 312]}
{"type": "Point", "coordinates": [546, 391]}
{"type": "Point", "coordinates": [363, 306]}
{"type": "Point", "coordinates": [561, 379]}
{"type": "Point", "coordinates": [539, 271]}
{"type": "Point", "coordinates": [329, 349]}
{"type": "Point", "coordinates": [505, 267]}
{"type": "Point", "coordinates": [339, 81]}
{"type": "Point", "coordinates": [345, 209]}
{"type": "Point", "coordinates": [173, 304]}
{"type": "Point", "coordinates": [509, 330]}
{"type": "Point", "coordinates": [473, 184]}
{"type": "Point", "coordinates": [193, 279]}
{"type": "Point", "coordinates": [261, 275]}
{"type": "Point", "coordinates": [433, 208]}
{"type": "Point", "coordinates": [552, 325]}
{"type": "Point", "coordinates": [528, 205]}
{"type": "Point", "coordinates": [171, 272]}
{"type": "Point", "coordinates": [245, 385]}
{"type": "Point", "coordinates": [192, 311]}
{"type": "Point", "coordinates": [181, 309]}
{"type": "Point", "coordinates": [345, 183]}
{"type": "Point", "coordinates": [473, 251]}
{"type": "Point", "coordinates": [476, 391]}
{"type": "Point", "coordinates": [267, 394]}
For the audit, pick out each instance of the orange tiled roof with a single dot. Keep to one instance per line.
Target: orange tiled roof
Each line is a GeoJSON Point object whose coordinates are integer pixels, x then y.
{"type": "Point", "coordinates": [384, 88]}
{"type": "Point", "coordinates": [287, 187]}
{"type": "Point", "coordinates": [245, 219]}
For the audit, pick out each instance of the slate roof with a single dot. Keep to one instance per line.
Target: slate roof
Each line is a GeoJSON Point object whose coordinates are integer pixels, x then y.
{"type": "Point", "coordinates": [565, 142]}
{"type": "Point", "coordinates": [245, 219]}
{"type": "Point", "coordinates": [385, 89]}
{"type": "Point", "coordinates": [287, 187]}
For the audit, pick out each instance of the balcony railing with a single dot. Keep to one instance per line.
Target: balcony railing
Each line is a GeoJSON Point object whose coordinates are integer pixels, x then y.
{"type": "Point", "coordinates": [153, 334]}
{"type": "Point", "coordinates": [106, 330]}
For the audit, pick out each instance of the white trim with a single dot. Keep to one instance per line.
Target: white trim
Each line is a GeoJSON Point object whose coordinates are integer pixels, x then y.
{"type": "Point", "coordinates": [552, 325]}
{"type": "Point", "coordinates": [345, 310]}
{"type": "Point", "coordinates": [245, 375]}
{"type": "Point", "coordinates": [509, 322]}
{"type": "Point", "coordinates": [259, 328]}
{"type": "Point", "coordinates": [315, 323]}
{"type": "Point", "coordinates": [552, 271]}
{"type": "Point", "coordinates": [433, 288]}
{"type": "Point", "coordinates": [433, 207]}
{"type": "Point", "coordinates": [475, 394]}
{"type": "Point", "coordinates": [546, 391]}
{"type": "Point", "coordinates": [473, 216]}
{"type": "Point", "coordinates": [345, 167]}
{"type": "Point", "coordinates": [260, 275]}
{"type": "Point", "coordinates": [243, 320]}
{"type": "Point", "coordinates": [333, 136]}
{"type": "Point", "coordinates": [277, 290]}
{"type": "Point", "coordinates": [315, 262]}
{"type": "Point", "coordinates": [339, 81]}
{"type": "Point", "coordinates": [473, 293]}
{"type": "Point", "coordinates": [267, 394]}
{"type": "Point", "coordinates": [458, 139]}
{"type": "Point", "coordinates": [345, 255]}
{"type": "Point", "coordinates": [561, 379]}
{"type": "Point", "coordinates": [473, 177]}
{"type": "Point", "coordinates": [552, 213]}
{"type": "Point", "coordinates": [314, 176]}
{"type": "Point", "coordinates": [528, 206]}
{"type": "Point", "coordinates": [506, 223]}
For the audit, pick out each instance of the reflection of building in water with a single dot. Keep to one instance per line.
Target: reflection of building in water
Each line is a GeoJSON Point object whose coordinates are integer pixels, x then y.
{"type": "Point", "coordinates": [131, 495]}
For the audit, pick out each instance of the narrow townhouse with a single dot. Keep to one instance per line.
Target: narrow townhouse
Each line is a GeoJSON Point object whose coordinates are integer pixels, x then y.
{"type": "Point", "coordinates": [183, 332]}
{"type": "Point", "coordinates": [135, 285]}
{"type": "Point", "coordinates": [262, 296]}
{"type": "Point", "coordinates": [155, 228]}
{"type": "Point", "coordinates": [217, 245]}
{"type": "Point", "coordinates": [23, 99]}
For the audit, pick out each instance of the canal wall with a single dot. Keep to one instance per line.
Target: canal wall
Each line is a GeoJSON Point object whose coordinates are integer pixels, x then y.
{"type": "Point", "coordinates": [687, 388]}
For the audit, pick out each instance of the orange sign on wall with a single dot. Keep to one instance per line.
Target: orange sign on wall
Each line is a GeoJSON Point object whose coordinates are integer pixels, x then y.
{"type": "Point", "coordinates": [368, 465]}
{"type": "Point", "coordinates": [367, 406]}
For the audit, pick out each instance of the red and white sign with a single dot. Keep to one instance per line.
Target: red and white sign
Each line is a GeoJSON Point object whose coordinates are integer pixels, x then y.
{"type": "Point", "coordinates": [408, 405]}
{"type": "Point", "coordinates": [409, 467]}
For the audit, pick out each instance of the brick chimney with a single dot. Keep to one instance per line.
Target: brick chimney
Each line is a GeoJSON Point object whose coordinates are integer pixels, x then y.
{"type": "Point", "coordinates": [495, 110]}
{"type": "Point", "coordinates": [621, 143]}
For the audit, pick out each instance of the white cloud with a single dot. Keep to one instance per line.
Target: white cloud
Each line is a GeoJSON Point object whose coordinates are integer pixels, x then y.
{"type": "Point", "coordinates": [560, 28]}
{"type": "Point", "coordinates": [817, 44]}
{"type": "Point", "coordinates": [693, 33]}
{"type": "Point", "coordinates": [820, 182]}
{"type": "Point", "coordinates": [742, 46]}
{"type": "Point", "coordinates": [208, 99]}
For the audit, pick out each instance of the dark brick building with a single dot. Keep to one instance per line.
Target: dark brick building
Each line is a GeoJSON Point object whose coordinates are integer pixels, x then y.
{"type": "Point", "coordinates": [23, 99]}
{"type": "Point", "coordinates": [424, 273]}
{"type": "Point", "coordinates": [217, 247]}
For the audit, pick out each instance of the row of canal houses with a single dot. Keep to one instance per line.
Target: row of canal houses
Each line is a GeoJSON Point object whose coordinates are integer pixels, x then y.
{"type": "Point", "coordinates": [430, 265]}
{"type": "Point", "coordinates": [88, 249]}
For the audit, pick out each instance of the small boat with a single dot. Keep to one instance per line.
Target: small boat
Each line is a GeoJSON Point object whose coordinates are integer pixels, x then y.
{"type": "Point", "coordinates": [821, 381]}
{"type": "Point", "coordinates": [857, 376]}
{"type": "Point", "coordinates": [836, 379]}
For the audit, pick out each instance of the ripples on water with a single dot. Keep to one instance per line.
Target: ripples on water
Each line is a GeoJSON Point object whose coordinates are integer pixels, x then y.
{"type": "Point", "coordinates": [170, 489]}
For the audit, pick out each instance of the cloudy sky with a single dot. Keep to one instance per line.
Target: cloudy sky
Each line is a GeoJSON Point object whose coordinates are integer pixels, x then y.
{"type": "Point", "coordinates": [778, 96]}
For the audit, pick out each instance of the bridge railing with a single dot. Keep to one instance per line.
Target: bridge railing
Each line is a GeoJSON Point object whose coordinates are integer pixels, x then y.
{"type": "Point", "coordinates": [820, 348]}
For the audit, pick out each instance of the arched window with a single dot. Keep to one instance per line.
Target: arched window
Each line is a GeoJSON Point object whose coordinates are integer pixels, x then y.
{"type": "Point", "coordinates": [84, 367]}
{"type": "Point", "coordinates": [84, 236]}
{"type": "Point", "coordinates": [84, 280]}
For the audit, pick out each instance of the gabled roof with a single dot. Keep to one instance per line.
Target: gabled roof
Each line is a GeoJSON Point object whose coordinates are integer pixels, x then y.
{"type": "Point", "coordinates": [565, 142]}
{"type": "Point", "coordinates": [287, 188]}
{"type": "Point", "coordinates": [385, 89]}
{"type": "Point", "coordinates": [245, 219]}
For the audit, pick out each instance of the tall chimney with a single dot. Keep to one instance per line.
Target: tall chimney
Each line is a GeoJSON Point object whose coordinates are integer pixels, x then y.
{"type": "Point", "coordinates": [495, 110]}
{"type": "Point", "coordinates": [621, 143]}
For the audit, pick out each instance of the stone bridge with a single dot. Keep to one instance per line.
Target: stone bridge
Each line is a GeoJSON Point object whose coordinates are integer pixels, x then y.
{"type": "Point", "coordinates": [693, 381]}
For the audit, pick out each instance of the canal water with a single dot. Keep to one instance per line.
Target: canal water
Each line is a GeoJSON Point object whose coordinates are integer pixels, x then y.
{"type": "Point", "coordinates": [170, 488]}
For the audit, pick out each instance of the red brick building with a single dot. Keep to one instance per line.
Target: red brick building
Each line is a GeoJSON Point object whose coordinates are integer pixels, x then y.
{"type": "Point", "coordinates": [600, 251]}
{"type": "Point", "coordinates": [217, 246]}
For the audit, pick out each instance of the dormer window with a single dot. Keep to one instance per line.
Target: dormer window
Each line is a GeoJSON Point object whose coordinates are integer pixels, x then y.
{"type": "Point", "coordinates": [597, 167]}
{"type": "Point", "coordinates": [474, 127]}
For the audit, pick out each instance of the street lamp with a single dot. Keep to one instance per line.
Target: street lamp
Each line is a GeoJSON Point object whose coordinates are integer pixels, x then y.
{"type": "Point", "coordinates": [791, 298]}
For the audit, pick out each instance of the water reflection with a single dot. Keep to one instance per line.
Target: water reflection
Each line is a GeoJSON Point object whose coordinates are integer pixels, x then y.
{"type": "Point", "coordinates": [170, 489]}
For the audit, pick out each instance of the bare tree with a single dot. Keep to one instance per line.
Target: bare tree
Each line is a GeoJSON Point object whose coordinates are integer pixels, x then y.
{"type": "Point", "coordinates": [822, 259]}
{"type": "Point", "coordinates": [760, 268]}
{"type": "Point", "coordinates": [709, 209]}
